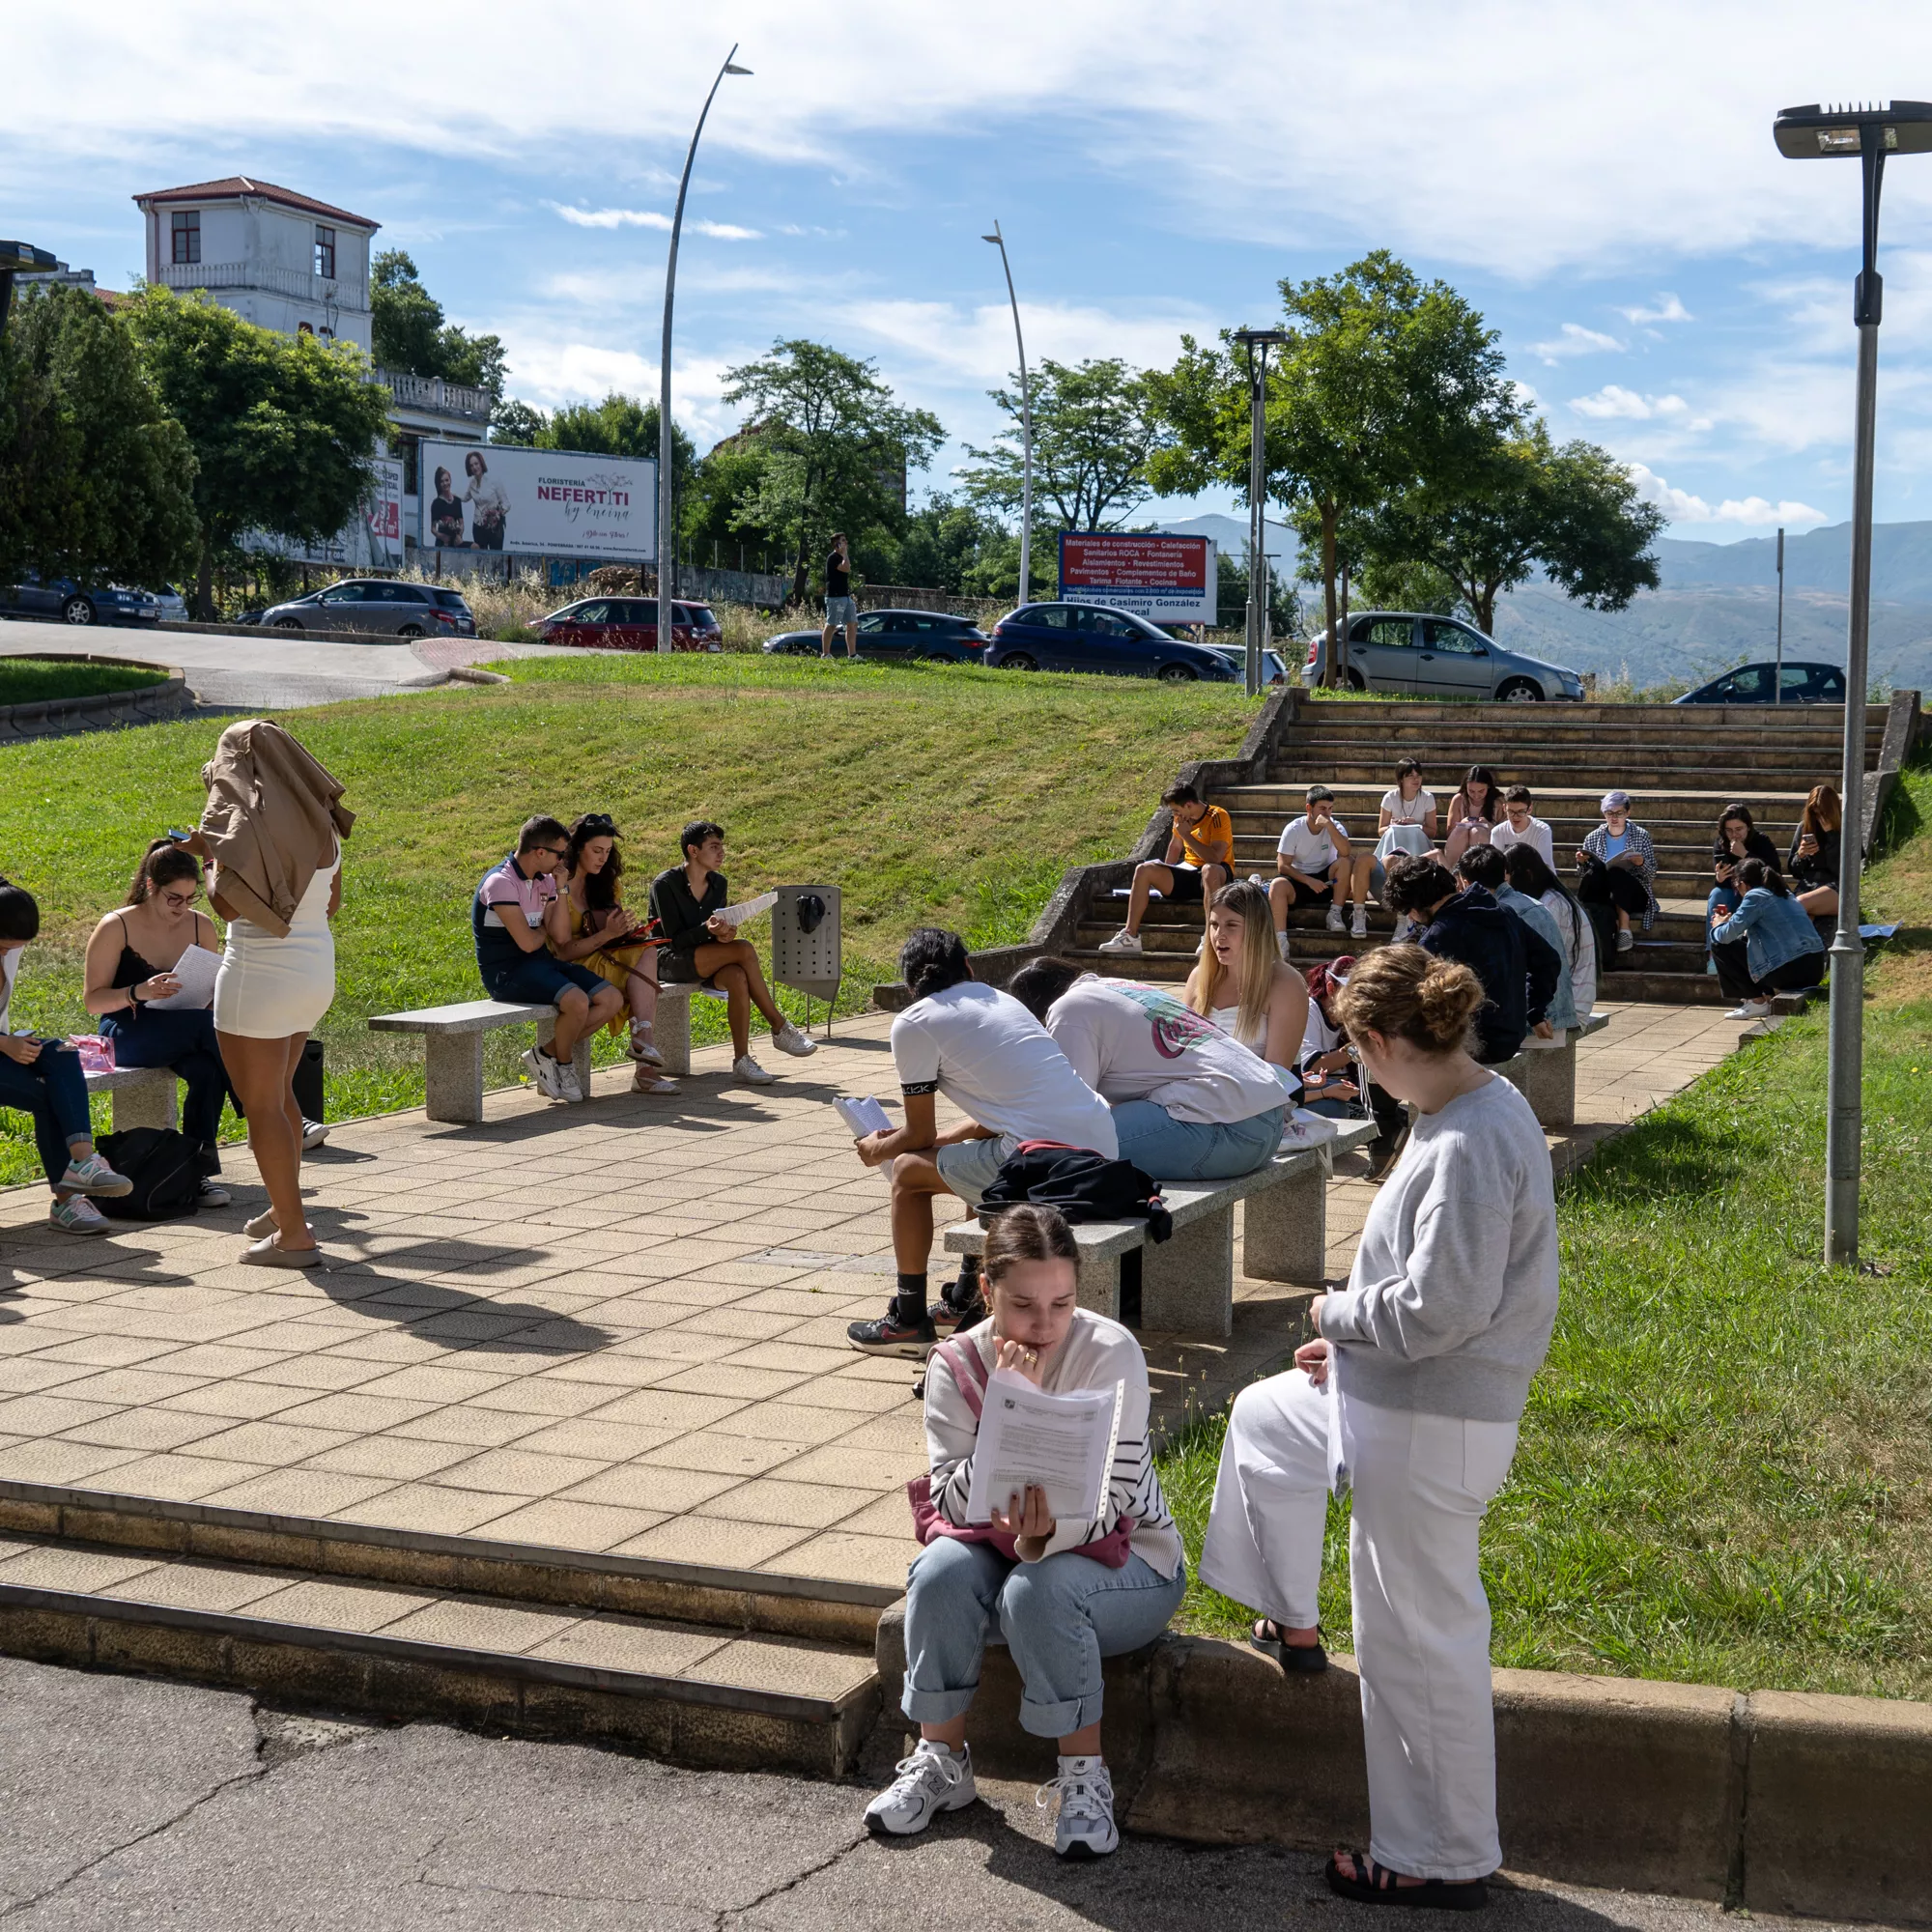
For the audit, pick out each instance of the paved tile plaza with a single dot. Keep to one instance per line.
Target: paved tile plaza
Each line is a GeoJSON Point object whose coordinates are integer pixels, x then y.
{"type": "Point", "coordinates": [618, 1328]}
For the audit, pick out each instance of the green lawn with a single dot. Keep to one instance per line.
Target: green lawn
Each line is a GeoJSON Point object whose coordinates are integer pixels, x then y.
{"type": "Point", "coordinates": [949, 796]}
{"type": "Point", "coordinates": [1725, 1473]}
{"type": "Point", "coordinates": [35, 680]}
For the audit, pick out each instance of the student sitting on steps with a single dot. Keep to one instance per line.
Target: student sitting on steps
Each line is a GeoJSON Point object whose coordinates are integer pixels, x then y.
{"type": "Point", "coordinates": [1768, 945]}
{"type": "Point", "coordinates": [1522, 827]}
{"type": "Point", "coordinates": [508, 917]}
{"type": "Point", "coordinates": [1316, 865]}
{"type": "Point", "coordinates": [1199, 853]}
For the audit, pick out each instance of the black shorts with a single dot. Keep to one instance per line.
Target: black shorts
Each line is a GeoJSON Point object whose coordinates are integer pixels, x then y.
{"type": "Point", "coordinates": [1186, 887]}
{"type": "Point", "coordinates": [1299, 894]}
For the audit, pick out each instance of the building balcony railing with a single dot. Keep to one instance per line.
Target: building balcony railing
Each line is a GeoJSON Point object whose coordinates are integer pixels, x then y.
{"type": "Point", "coordinates": [266, 277]}
{"type": "Point", "coordinates": [431, 392]}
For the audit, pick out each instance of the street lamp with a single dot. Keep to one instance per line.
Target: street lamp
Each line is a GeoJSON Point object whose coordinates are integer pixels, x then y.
{"type": "Point", "coordinates": [19, 258]}
{"type": "Point", "coordinates": [999, 241]}
{"type": "Point", "coordinates": [1258, 341]}
{"type": "Point", "coordinates": [1869, 133]}
{"type": "Point", "coordinates": [665, 563]}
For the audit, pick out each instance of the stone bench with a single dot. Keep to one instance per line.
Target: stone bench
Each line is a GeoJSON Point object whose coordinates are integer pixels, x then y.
{"type": "Point", "coordinates": [1546, 1077]}
{"type": "Point", "coordinates": [140, 1097]}
{"type": "Point", "coordinates": [454, 1045]}
{"type": "Point", "coordinates": [1187, 1281]}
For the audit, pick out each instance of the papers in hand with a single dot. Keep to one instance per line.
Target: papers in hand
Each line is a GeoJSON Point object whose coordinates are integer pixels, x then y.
{"type": "Point", "coordinates": [195, 969]}
{"type": "Point", "coordinates": [862, 1116]}
{"type": "Point", "coordinates": [1061, 1443]}
{"type": "Point", "coordinates": [737, 915]}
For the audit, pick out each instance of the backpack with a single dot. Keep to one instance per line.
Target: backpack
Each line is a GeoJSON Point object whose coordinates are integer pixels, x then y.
{"type": "Point", "coordinates": [1084, 1185]}
{"type": "Point", "coordinates": [165, 1168]}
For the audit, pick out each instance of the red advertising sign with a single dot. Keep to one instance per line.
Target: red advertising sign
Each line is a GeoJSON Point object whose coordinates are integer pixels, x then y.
{"type": "Point", "coordinates": [1169, 578]}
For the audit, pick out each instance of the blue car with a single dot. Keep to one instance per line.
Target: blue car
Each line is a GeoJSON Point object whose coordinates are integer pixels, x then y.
{"type": "Point", "coordinates": [77, 604]}
{"type": "Point", "coordinates": [1103, 639]}
{"type": "Point", "coordinates": [894, 637]}
{"type": "Point", "coordinates": [1758, 684]}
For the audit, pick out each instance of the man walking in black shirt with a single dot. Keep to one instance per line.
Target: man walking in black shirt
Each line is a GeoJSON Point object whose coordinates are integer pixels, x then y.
{"type": "Point", "coordinates": [840, 607]}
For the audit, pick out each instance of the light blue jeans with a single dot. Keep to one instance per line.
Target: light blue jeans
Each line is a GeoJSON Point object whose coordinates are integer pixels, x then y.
{"type": "Point", "coordinates": [1171, 1150]}
{"type": "Point", "coordinates": [1059, 1617]}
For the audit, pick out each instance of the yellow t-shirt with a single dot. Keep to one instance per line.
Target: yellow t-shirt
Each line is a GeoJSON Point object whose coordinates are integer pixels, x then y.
{"type": "Point", "coordinates": [1213, 828]}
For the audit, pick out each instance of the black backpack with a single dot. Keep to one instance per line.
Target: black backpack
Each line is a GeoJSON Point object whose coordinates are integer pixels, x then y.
{"type": "Point", "coordinates": [165, 1168]}
{"type": "Point", "coordinates": [1084, 1185]}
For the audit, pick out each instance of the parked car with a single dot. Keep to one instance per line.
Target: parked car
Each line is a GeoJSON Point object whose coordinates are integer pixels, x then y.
{"type": "Point", "coordinates": [631, 624]}
{"type": "Point", "coordinates": [376, 604]}
{"type": "Point", "coordinates": [174, 605]}
{"type": "Point", "coordinates": [1274, 668]}
{"type": "Point", "coordinates": [1099, 637]}
{"type": "Point", "coordinates": [903, 637]}
{"type": "Point", "coordinates": [1431, 656]}
{"type": "Point", "coordinates": [73, 603]}
{"type": "Point", "coordinates": [1759, 683]}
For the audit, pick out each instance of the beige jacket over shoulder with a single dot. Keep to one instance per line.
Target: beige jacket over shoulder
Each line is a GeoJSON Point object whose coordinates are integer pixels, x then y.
{"type": "Point", "coordinates": [272, 816]}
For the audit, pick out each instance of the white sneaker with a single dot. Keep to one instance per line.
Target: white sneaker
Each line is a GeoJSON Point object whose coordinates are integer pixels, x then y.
{"type": "Point", "coordinates": [1123, 941]}
{"type": "Point", "coordinates": [93, 1176]}
{"type": "Point", "coordinates": [1752, 1010]}
{"type": "Point", "coordinates": [314, 1133]}
{"type": "Point", "coordinates": [931, 1781]}
{"type": "Point", "coordinates": [1082, 1799]}
{"type": "Point", "coordinates": [1626, 939]}
{"type": "Point", "coordinates": [543, 1071]}
{"type": "Point", "coordinates": [750, 1072]}
{"type": "Point", "coordinates": [1405, 930]}
{"type": "Point", "coordinates": [789, 1039]}
{"type": "Point", "coordinates": [213, 1195]}
{"type": "Point", "coordinates": [1360, 928]}
{"type": "Point", "coordinates": [567, 1086]}
{"type": "Point", "coordinates": [1335, 917]}
{"type": "Point", "coordinates": [1281, 946]}
{"type": "Point", "coordinates": [77, 1215]}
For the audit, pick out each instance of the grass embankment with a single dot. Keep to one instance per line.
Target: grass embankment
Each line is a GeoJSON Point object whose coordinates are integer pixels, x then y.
{"type": "Point", "coordinates": [39, 680]}
{"type": "Point", "coordinates": [953, 797]}
{"type": "Point", "coordinates": [1726, 1470]}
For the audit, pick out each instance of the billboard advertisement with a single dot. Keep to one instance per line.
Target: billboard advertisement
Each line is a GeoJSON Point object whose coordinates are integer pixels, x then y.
{"type": "Point", "coordinates": [372, 539]}
{"type": "Point", "coordinates": [537, 502]}
{"type": "Point", "coordinates": [1169, 580]}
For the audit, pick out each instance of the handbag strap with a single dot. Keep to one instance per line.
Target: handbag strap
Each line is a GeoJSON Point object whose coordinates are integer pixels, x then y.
{"type": "Point", "coordinates": [968, 1372]}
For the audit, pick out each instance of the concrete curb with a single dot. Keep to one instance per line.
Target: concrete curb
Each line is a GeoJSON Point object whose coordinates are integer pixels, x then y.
{"type": "Point", "coordinates": [62, 717]}
{"type": "Point", "coordinates": [1775, 1800]}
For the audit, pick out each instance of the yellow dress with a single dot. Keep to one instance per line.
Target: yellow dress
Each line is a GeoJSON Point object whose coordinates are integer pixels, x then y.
{"type": "Point", "coordinates": [611, 963]}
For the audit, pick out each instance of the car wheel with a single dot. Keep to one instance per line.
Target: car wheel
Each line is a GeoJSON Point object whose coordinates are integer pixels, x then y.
{"type": "Point", "coordinates": [410, 631]}
{"type": "Point", "coordinates": [1520, 691]}
{"type": "Point", "coordinates": [1019, 661]}
{"type": "Point", "coordinates": [1357, 682]}
{"type": "Point", "coordinates": [1175, 674]}
{"type": "Point", "coordinates": [288, 623]}
{"type": "Point", "coordinates": [78, 610]}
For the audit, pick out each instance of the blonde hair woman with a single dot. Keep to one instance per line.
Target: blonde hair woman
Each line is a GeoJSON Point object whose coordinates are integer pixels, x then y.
{"type": "Point", "coordinates": [1242, 983]}
{"type": "Point", "coordinates": [1414, 1389]}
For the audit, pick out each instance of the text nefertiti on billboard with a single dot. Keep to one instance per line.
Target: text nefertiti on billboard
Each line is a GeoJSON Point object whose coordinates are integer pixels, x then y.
{"type": "Point", "coordinates": [540, 503]}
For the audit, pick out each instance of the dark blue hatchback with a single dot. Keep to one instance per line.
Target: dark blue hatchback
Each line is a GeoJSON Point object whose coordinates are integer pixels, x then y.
{"type": "Point", "coordinates": [1101, 638]}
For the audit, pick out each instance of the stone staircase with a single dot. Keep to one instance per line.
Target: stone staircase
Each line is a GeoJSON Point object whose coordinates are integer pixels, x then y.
{"type": "Point", "coordinates": [1682, 764]}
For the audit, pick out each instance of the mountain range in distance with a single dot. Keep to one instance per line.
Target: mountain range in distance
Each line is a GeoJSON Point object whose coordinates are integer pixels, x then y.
{"type": "Point", "coordinates": [1717, 605]}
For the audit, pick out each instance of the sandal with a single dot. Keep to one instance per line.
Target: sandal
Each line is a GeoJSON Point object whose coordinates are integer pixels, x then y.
{"type": "Point", "coordinates": [1378, 1887]}
{"type": "Point", "coordinates": [1306, 1658]}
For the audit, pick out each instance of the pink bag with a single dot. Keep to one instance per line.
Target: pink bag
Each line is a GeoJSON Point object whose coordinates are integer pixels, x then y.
{"type": "Point", "coordinates": [96, 1050]}
{"type": "Point", "coordinates": [969, 1375]}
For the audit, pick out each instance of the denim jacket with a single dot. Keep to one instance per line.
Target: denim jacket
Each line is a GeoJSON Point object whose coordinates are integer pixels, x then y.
{"type": "Point", "coordinates": [1777, 931]}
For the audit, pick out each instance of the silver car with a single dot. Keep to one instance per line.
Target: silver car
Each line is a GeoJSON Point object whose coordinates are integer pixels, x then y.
{"type": "Point", "coordinates": [379, 604]}
{"type": "Point", "coordinates": [1424, 655]}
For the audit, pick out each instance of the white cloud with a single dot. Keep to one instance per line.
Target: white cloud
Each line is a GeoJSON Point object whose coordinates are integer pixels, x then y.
{"type": "Point", "coordinates": [648, 218]}
{"type": "Point", "coordinates": [1686, 508]}
{"type": "Point", "coordinates": [1668, 309]}
{"type": "Point", "coordinates": [1614, 403]}
{"type": "Point", "coordinates": [976, 346]}
{"type": "Point", "coordinates": [1575, 340]}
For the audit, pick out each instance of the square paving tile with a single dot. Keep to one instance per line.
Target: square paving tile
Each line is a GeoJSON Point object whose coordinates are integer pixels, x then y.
{"type": "Point", "coordinates": [342, 1606]}
{"type": "Point", "coordinates": [713, 1542]}
{"type": "Point", "coordinates": [617, 1643]}
{"type": "Point", "coordinates": [518, 1473]}
{"type": "Point", "coordinates": [298, 1493]}
{"type": "Point", "coordinates": [427, 1511]}
{"type": "Point", "coordinates": [560, 1524]}
{"type": "Point", "coordinates": [803, 1505]}
{"type": "Point", "coordinates": [480, 1626]}
{"type": "Point", "coordinates": [646, 1487]}
{"type": "Point", "coordinates": [175, 1478]}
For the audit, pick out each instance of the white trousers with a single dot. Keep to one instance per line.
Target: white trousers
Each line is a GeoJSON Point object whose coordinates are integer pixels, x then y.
{"type": "Point", "coordinates": [1421, 1484]}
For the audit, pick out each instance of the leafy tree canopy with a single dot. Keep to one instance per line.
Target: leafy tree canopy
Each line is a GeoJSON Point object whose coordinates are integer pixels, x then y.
{"type": "Point", "coordinates": [407, 331]}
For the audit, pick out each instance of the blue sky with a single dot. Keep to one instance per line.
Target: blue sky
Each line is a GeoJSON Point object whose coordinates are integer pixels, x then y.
{"type": "Point", "coordinates": [1598, 181]}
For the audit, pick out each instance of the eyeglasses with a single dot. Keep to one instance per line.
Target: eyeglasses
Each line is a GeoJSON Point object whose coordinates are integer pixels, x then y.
{"type": "Point", "coordinates": [179, 901]}
{"type": "Point", "coordinates": [552, 851]}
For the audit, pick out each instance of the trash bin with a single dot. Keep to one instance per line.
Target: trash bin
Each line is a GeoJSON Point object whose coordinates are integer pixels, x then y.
{"type": "Point", "coordinates": [806, 947]}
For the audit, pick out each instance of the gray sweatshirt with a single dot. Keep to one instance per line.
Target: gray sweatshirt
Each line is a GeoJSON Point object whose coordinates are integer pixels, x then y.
{"type": "Point", "coordinates": [1450, 1303]}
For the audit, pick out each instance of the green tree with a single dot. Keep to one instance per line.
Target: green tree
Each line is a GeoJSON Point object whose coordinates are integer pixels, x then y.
{"type": "Point", "coordinates": [834, 444]}
{"type": "Point", "coordinates": [96, 478]}
{"type": "Point", "coordinates": [710, 507]}
{"type": "Point", "coordinates": [283, 427]}
{"type": "Point", "coordinates": [1389, 386]}
{"type": "Point", "coordinates": [944, 541]}
{"type": "Point", "coordinates": [618, 426]}
{"type": "Point", "coordinates": [1094, 431]}
{"type": "Point", "coordinates": [1573, 512]}
{"type": "Point", "coordinates": [407, 331]}
{"type": "Point", "coordinates": [517, 423]}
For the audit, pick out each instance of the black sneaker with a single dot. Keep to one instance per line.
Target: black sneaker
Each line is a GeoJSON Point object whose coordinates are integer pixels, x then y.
{"type": "Point", "coordinates": [949, 1319]}
{"type": "Point", "coordinates": [1383, 1154]}
{"type": "Point", "coordinates": [889, 1336]}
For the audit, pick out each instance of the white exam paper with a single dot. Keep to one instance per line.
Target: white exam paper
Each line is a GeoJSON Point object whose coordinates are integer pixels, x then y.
{"type": "Point", "coordinates": [862, 1116]}
{"type": "Point", "coordinates": [195, 969]}
{"type": "Point", "coordinates": [1061, 1443]}
{"type": "Point", "coordinates": [737, 915]}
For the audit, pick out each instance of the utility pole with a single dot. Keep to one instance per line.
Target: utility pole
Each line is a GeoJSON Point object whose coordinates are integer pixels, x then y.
{"type": "Point", "coordinates": [1778, 691]}
{"type": "Point", "coordinates": [1258, 342]}
{"type": "Point", "coordinates": [999, 241]}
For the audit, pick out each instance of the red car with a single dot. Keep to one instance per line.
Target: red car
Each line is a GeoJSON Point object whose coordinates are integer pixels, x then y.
{"type": "Point", "coordinates": [631, 624]}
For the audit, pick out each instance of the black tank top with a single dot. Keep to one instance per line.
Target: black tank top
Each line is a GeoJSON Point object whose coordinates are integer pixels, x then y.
{"type": "Point", "coordinates": [132, 969]}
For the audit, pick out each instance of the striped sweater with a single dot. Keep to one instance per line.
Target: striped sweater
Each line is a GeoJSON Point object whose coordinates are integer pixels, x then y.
{"type": "Point", "coordinates": [1096, 1355]}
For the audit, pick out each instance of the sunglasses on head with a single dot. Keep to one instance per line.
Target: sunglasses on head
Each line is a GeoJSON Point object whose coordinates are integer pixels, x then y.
{"type": "Point", "coordinates": [598, 825]}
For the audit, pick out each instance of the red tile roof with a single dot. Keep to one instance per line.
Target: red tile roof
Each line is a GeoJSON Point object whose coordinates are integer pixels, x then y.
{"type": "Point", "coordinates": [235, 186]}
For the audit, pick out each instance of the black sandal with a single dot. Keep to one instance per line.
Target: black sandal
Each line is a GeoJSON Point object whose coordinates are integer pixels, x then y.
{"type": "Point", "coordinates": [1379, 1888]}
{"type": "Point", "coordinates": [1306, 1658]}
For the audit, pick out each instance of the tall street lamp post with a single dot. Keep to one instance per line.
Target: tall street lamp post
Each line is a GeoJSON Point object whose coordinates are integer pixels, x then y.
{"type": "Point", "coordinates": [999, 241]}
{"type": "Point", "coordinates": [19, 258]}
{"type": "Point", "coordinates": [665, 565]}
{"type": "Point", "coordinates": [1868, 133]}
{"type": "Point", "coordinates": [1258, 342]}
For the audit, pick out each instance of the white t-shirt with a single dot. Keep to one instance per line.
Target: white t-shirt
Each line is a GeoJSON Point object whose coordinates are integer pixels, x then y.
{"type": "Point", "coordinates": [1310, 852]}
{"type": "Point", "coordinates": [10, 967]}
{"type": "Point", "coordinates": [1407, 810]}
{"type": "Point", "coordinates": [999, 1066]}
{"type": "Point", "coordinates": [1536, 834]}
{"type": "Point", "coordinates": [1580, 937]}
{"type": "Point", "coordinates": [1137, 1042]}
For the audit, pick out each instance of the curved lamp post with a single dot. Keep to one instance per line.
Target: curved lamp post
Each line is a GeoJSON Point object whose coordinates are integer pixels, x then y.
{"type": "Point", "coordinates": [999, 241]}
{"type": "Point", "coordinates": [1866, 135]}
{"type": "Point", "coordinates": [664, 532]}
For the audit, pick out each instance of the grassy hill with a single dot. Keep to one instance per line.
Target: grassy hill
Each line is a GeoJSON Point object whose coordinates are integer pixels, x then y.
{"type": "Point", "coordinates": [944, 796]}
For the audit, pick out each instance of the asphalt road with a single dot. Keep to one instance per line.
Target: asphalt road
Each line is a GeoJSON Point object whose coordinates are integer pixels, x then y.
{"type": "Point", "coordinates": [126, 1803]}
